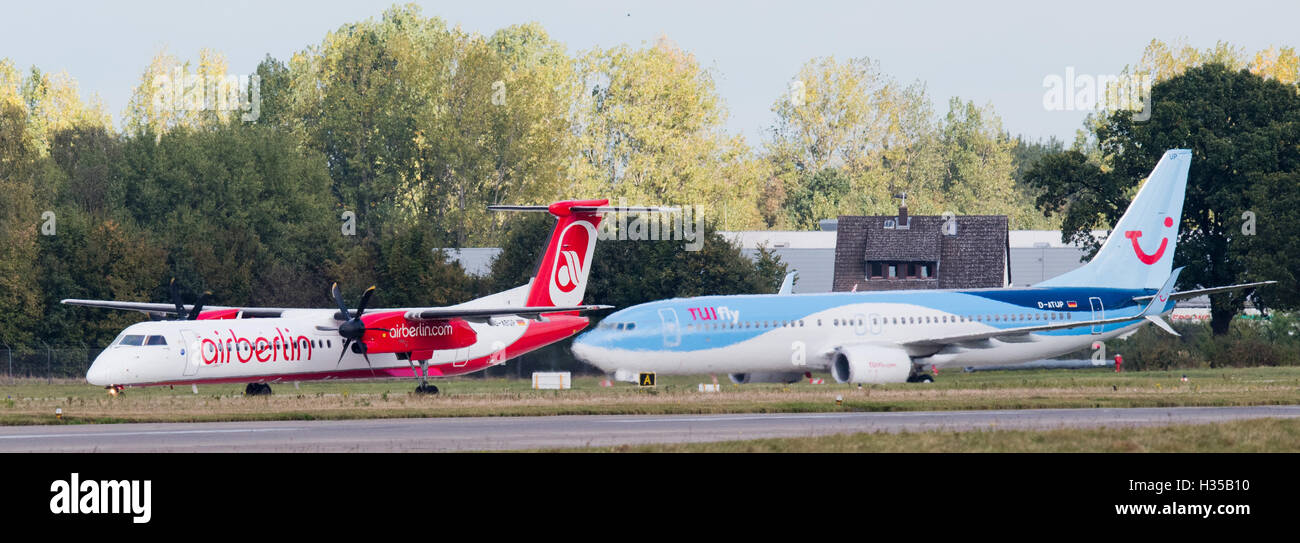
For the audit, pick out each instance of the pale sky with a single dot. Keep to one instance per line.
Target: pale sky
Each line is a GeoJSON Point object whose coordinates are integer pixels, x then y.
{"type": "Point", "coordinates": [989, 52]}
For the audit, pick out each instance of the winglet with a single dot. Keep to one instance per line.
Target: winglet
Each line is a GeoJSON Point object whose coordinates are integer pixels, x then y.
{"type": "Point", "coordinates": [1161, 302]}
{"type": "Point", "coordinates": [1155, 319]}
{"type": "Point", "coordinates": [787, 286]}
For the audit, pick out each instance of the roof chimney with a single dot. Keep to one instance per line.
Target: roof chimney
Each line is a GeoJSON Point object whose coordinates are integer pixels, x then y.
{"type": "Point", "coordinates": [902, 210]}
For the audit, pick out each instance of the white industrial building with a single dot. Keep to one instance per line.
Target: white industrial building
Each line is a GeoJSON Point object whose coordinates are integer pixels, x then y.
{"type": "Point", "coordinates": [1035, 255]}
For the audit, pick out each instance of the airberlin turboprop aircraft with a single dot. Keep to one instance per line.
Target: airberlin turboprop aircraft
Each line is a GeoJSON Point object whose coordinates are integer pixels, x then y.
{"type": "Point", "coordinates": [262, 345]}
{"type": "Point", "coordinates": [890, 336]}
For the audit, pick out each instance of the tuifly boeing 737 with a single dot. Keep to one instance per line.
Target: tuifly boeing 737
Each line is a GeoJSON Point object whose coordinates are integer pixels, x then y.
{"type": "Point", "coordinates": [894, 336]}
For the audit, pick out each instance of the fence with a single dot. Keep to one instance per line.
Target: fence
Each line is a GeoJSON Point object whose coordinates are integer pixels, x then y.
{"type": "Point", "coordinates": [47, 362]}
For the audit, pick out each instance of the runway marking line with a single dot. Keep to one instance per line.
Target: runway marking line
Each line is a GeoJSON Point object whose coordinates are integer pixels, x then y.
{"type": "Point", "coordinates": [149, 433]}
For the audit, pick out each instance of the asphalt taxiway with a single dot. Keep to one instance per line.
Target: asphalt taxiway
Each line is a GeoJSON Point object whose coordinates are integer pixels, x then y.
{"type": "Point", "coordinates": [511, 433]}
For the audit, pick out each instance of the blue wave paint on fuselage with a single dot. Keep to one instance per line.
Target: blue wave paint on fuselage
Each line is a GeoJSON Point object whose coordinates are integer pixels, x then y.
{"type": "Point", "coordinates": [648, 334]}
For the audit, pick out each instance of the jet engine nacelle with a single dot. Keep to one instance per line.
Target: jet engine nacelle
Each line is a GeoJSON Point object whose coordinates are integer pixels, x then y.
{"type": "Point", "coordinates": [871, 364]}
{"type": "Point", "coordinates": [744, 378]}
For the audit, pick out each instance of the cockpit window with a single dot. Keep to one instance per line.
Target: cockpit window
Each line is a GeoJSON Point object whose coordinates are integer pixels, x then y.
{"type": "Point", "coordinates": [631, 325]}
{"type": "Point", "coordinates": [155, 340]}
{"type": "Point", "coordinates": [132, 340]}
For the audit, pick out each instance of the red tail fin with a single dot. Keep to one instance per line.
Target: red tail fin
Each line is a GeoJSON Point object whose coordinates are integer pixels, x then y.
{"type": "Point", "coordinates": [562, 278]}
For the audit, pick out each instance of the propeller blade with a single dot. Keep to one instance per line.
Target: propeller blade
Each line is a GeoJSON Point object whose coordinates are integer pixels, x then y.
{"type": "Point", "coordinates": [198, 306]}
{"type": "Point", "coordinates": [176, 298]}
{"type": "Point", "coordinates": [345, 351]}
{"type": "Point", "coordinates": [338, 299]}
{"type": "Point", "coordinates": [368, 364]}
{"type": "Point", "coordinates": [365, 299]}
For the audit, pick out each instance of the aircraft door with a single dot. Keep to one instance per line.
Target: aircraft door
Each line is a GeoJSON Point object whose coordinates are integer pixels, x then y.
{"type": "Point", "coordinates": [191, 349]}
{"type": "Point", "coordinates": [671, 329]}
{"type": "Point", "coordinates": [1098, 313]}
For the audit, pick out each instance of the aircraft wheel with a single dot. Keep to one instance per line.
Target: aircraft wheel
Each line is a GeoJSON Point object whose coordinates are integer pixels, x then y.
{"type": "Point", "coordinates": [257, 389]}
{"type": "Point", "coordinates": [426, 388]}
{"type": "Point", "coordinates": [924, 378]}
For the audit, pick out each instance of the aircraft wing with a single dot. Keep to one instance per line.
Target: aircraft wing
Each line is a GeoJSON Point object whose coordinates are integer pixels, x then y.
{"type": "Point", "coordinates": [441, 313]}
{"type": "Point", "coordinates": [145, 307]}
{"type": "Point", "coordinates": [1186, 294]}
{"type": "Point", "coordinates": [423, 313]}
{"type": "Point", "coordinates": [1011, 333]}
{"type": "Point", "coordinates": [1160, 301]}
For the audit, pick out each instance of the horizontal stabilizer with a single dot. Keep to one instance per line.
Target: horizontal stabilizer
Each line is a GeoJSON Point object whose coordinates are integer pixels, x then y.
{"type": "Point", "coordinates": [440, 313]}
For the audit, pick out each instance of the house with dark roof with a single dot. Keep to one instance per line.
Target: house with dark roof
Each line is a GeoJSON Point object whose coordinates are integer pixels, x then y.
{"type": "Point", "coordinates": [921, 252]}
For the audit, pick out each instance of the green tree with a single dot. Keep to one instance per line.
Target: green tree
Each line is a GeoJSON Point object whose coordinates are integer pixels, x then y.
{"type": "Point", "coordinates": [423, 125]}
{"type": "Point", "coordinates": [20, 160]}
{"type": "Point", "coordinates": [649, 124]}
{"type": "Point", "coordinates": [850, 117]}
{"type": "Point", "coordinates": [240, 210]}
{"type": "Point", "coordinates": [414, 271]}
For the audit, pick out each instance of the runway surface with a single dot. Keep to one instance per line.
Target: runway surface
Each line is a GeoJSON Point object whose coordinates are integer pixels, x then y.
{"type": "Point", "coordinates": [506, 433]}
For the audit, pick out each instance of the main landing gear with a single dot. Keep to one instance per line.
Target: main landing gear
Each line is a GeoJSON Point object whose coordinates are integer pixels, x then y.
{"type": "Point", "coordinates": [424, 387]}
{"type": "Point", "coordinates": [257, 389]}
{"type": "Point", "coordinates": [919, 376]}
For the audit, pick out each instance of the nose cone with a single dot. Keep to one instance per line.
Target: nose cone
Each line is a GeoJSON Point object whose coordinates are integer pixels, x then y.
{"type": "Point", "coordinates": [98, 374]}
{"type": "Point", "coordinates": [582, 350]}
{"type": "Point", "coordinates": [103, 371]}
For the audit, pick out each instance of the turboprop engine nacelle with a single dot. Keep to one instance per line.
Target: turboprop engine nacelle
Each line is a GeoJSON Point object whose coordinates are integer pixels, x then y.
{"type": "Point", "coordinates": [404, 336]}
{"type": "Point", "coordinates": [744, 378]}
{"type": "Point", "coordinates": [871, 364]}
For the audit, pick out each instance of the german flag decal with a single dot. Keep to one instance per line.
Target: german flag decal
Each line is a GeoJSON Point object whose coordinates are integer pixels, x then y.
{"type": "Point", "coordinates": [1071, 304]}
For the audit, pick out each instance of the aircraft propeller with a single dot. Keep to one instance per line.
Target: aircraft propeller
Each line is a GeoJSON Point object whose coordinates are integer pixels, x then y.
{"type": "Point", "coordinates": [353, 329]}
{"type": "Point", "coordinates": [181, 313]}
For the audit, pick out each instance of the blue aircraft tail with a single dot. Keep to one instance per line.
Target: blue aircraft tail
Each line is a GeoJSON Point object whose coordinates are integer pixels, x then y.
{"type": "Point", "coordinates": [1139, 254]}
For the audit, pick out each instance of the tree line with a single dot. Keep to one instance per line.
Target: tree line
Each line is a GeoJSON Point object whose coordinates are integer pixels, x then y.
{"type": "Point", "coordinates": [372, 149]}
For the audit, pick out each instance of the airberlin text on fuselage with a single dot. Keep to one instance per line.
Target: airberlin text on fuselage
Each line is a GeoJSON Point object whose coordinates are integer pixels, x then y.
{"type": "Point", "coordinates": [229, 347]}
{"type": "Point", "coordinates": [423, 330]}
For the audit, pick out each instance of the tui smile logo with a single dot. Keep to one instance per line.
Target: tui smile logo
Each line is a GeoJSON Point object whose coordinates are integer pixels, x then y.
{"type": "Point", "coordinates": [1152, 258]}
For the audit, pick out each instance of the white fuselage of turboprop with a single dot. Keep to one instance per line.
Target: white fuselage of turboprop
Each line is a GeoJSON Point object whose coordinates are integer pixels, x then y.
{"type": "Point", "coordinates": [292, 348]}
